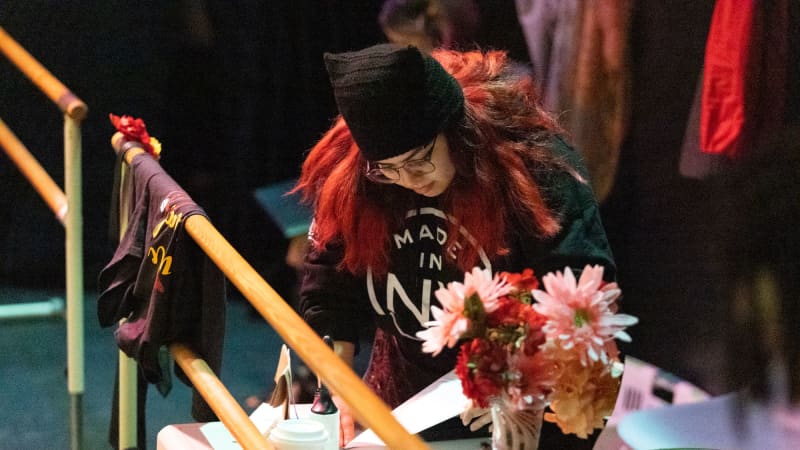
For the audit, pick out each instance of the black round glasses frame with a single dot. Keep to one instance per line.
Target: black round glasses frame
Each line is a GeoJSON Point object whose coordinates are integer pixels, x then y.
{"type": "Point", "coordinates": [385, 174]}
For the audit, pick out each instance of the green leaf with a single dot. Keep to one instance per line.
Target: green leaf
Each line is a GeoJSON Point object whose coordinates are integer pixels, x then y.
{"type": "Point", "coordinates": [475, 312]}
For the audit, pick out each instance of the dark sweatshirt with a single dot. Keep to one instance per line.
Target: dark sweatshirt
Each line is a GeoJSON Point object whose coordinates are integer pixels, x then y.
{"type": "Point", "coordinates": [339, 304]}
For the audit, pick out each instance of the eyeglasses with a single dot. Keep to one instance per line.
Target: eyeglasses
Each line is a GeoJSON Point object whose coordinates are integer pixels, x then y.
{"type": "Point", "coordinates": [388, 174]}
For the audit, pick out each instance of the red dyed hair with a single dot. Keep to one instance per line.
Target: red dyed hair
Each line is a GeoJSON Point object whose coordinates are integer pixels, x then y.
{"type": "Point", "coordinates": [502, 140]}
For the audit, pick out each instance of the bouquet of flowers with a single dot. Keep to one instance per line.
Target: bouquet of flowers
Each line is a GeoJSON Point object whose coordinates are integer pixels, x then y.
{"type": "Point", "coordinates": [524, 348]}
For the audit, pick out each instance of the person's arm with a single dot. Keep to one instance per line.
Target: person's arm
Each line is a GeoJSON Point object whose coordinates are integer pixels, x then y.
{"type": "Point", "coordinates": [331, 305]}
{"type": "Point", "coordinates": [582, 239]}
{"type": "Point", "coordinates": [329, 298]}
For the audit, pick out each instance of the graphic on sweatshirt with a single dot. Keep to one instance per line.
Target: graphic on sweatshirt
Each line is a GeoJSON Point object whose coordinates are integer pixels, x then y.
{"type": "Point", "coordinates": [420, 264]}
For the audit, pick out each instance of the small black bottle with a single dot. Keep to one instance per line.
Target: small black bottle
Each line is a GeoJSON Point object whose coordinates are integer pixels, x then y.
{"type": "Point", "coordinates": [324, 411]}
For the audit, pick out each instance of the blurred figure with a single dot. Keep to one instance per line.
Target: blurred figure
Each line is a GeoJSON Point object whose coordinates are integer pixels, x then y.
{"type": "Point", "coordinates": [429, 24]}
{"type": "Point", "coordinates": [580, 56]}
{"type": "Point", "coordinates": [761, 256]}
{"type": "Point", "coordinates": [758, 248]}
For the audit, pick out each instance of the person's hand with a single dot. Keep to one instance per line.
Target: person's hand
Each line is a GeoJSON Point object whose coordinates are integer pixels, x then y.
{"type": "Point", "coordinates": [298, 247]}
{"type": "Point", "coordinates": [347, 425]}
{"type": "Point", "coordinates": [476, 417]}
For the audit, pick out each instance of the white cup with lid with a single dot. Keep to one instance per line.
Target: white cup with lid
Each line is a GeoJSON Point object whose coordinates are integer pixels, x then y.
{"type": "Point", "coordinates": [298, 434]}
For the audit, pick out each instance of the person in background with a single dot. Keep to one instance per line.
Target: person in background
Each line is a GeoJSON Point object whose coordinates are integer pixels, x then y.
{"type": "Point", "coordinates": [429, 24]}
{"type": "Point", "coordinates": [761, 252]}
{"type": "Point", "coordinates": [757, 253]}
{"type": "Point", "coordinates": [438, 163]}
{"type": "Point", "coordinates": [580, 54]}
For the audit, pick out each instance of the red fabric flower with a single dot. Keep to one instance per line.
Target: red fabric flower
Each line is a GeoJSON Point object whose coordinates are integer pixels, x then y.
{"type": "Point", "coordinates": [134, 130]}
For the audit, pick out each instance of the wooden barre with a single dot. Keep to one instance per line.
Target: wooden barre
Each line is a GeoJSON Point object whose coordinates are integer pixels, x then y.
{"type": "Point", "coordinates": [33, 171]}
{"type": "Point", "coordinates": [367, 407]}
{"type": "Point", "coordinates": [68, 102]}
{"type": "Point", "coordinates": [219, 398]}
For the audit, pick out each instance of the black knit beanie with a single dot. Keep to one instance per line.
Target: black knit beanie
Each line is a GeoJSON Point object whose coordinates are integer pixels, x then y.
{"type": "Point", "coordinates": [393, 98]}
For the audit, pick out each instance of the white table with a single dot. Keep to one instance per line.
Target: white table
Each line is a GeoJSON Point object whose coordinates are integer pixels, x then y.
{"type": "Point", "coordinates": [188, 436]}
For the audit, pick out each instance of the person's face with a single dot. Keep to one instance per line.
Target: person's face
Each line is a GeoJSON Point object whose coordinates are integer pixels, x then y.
{"type": "Point", "coordinates": [429, 184]}
{"type": "Point", "coordinates": [406, 37]}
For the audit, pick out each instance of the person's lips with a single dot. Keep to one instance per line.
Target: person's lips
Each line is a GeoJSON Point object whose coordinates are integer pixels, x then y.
{"type": "Point", "coordinates": [424, 189]}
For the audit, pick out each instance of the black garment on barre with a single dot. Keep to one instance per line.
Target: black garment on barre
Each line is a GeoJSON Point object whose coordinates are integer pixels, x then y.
{"type": "Point", "coordinates": [162, 283]}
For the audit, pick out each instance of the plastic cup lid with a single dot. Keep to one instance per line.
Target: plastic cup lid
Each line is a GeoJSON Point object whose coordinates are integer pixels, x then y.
{"type": "Point", "coordinates": [299, 430]}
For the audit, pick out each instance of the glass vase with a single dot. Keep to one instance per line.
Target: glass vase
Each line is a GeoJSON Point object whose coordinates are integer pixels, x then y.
{"type": "Point", "coordinates": [515, 429]}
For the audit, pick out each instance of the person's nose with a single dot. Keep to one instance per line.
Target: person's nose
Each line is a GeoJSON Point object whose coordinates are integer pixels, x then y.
{"type": "Point", "coordinates": [409, 180]}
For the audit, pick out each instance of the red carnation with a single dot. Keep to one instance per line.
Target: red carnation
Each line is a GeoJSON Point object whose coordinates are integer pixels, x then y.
{"type": "Point", "coordinates": [480, 366]}
{"type": "Point", "coordinates": [508, 313]}
{"type": "Point", "coordinates": [535, 336]}
{"type": "Point", "coordinates": [524, 281]}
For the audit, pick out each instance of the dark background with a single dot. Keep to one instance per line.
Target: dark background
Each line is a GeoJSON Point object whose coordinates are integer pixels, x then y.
{"type": "Point", "coordinates": [236, 92]}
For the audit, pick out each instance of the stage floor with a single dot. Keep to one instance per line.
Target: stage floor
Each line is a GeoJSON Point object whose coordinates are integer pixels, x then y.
{"type": "Point", "coordinates": [34, 405]}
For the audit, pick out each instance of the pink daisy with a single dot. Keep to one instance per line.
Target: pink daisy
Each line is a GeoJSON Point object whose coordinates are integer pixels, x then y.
{"type": "Point", "coordinates": [581, 314]}
{"type": "Point", "coordinates": [449, 322]}
{"type": "Point", "coordinates": [446, 329]}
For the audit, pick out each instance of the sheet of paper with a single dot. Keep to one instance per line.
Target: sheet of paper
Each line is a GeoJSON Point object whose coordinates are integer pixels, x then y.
{"type": "Point", "coordinates": [218, 437]}
{"type": "Point", "coordinates": [264, 417]}
{"type": "Point", "coordinates": [436, 403]}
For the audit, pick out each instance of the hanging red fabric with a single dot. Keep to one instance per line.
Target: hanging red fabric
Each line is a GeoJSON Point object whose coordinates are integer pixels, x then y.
{"type": "Point", "coordinates": [744, 75]}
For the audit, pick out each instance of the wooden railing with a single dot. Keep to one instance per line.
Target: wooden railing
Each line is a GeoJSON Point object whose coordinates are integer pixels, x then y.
{"type": "Point", "coordinates": [367, 407]}
{"type": "Point", "coordinates": [67, 208]}
{"type": "Point", "coordinates": [70, 104]}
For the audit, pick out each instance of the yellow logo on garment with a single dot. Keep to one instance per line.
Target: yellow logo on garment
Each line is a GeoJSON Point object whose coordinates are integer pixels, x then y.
{"type": "Point", "coordinates": [159, 256]}
{"type": "Point", "coordinates": [171, 221]}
